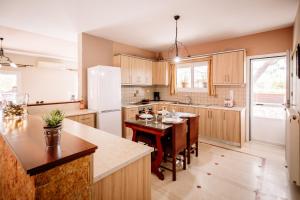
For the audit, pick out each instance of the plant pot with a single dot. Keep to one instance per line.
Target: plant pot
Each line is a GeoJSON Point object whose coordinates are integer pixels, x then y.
{"type": "Point", "coordinates": [52, 136]}
{"type": "Point", "coordinates": [184, 84]}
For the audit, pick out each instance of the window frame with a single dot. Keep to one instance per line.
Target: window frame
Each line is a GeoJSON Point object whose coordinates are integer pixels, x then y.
{"type": "Point", "coordinates": [192, 66]}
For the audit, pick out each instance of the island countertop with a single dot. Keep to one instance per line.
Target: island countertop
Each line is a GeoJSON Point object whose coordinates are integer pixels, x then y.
{"type": "Point", "coordinates": [26, 140]}
{"type": "Point", "coordinates": [113, 152]}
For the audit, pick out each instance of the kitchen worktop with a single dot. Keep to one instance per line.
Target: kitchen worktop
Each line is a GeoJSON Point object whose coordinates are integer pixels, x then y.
{"type": "Point", "coordinates": [26, 140]}
{"type": "Point", "coordinates": [113, 152]}
{"type": "Point", "coordinates": [70, 113]}
{"type": "Point", "coordinates": [235, 108]}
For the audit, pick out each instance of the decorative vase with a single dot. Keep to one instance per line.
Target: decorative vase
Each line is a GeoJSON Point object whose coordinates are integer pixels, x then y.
{"type": "Point", "coordinates": [52, 136]}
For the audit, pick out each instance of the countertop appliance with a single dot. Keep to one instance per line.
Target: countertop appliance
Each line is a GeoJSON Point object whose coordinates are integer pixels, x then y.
{"type": "Point", "coordinates": [156, 96]}
{"type": "Point", "coordinates": [228, 101]}
{"type": "Point", "coordinates": [104, 96]}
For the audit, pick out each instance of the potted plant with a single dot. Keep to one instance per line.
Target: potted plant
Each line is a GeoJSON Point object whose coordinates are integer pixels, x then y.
{"type": "Point", "coordinates": [52, 128]}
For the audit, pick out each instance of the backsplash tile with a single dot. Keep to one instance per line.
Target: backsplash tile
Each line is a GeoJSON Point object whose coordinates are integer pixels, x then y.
{"type": "Point", "coordinates": [137, 93]}
{"type": "Point", "coordinates": [203, 98]}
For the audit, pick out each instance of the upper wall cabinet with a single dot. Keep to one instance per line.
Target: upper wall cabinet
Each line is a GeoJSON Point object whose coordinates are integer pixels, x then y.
{"type": "Point", "coordinates": [135, 71]}
{"type": "Point", "coordinates": [160, 74]}
{"type": "Point", "coordinates": [229, 68]}
{"type": "Point", "coordinates": [125, 63]}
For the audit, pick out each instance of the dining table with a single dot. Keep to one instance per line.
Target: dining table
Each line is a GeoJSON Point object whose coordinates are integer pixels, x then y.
{"type": "Point", "coordinates": [158, 130]}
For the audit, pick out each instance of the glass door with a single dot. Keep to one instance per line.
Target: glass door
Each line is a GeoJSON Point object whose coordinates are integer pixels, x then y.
{"type": "Point", "coordinates": [268, 96]}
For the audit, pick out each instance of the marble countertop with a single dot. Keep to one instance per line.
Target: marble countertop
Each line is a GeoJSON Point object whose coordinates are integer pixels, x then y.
{"type": "Point", "coordinates": [113, 152]}
{"type": "Point", "coordinates": [234, 108]}
{"type": "Point", "coordinates": [70, 113]}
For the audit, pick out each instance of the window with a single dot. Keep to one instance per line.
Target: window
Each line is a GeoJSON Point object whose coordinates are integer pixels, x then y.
{"type": "Point", "coordinates": [192, 77]}
{"type": "Point", "coordinates": [8, 86]}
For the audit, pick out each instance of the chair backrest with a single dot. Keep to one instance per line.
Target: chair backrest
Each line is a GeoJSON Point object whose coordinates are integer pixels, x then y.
{"type": "Point", "coordinates": [194, 129]}
{"type": "Point", "coordinates": [179, 132]}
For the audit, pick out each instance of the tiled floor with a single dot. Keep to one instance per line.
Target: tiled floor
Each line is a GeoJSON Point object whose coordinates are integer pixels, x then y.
{"type": "Point", "coordinates": [257, 171]}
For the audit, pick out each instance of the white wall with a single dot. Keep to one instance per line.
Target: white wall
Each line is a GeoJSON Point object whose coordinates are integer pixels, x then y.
{"type": "Point", "coordinates": [44, 84]}
{"type": "Point", "coordinates": [49, 85]}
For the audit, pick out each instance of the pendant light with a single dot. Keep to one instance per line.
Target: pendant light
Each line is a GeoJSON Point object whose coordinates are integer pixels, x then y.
{"type": "Point", "coordinates": [177, 46]}
{"type": "Point", "coordinates": [4, 60]}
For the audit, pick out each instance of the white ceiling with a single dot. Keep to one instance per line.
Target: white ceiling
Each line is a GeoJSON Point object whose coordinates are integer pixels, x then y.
{"type": "Point", "coordinates": [147, 24]}
{"type": "Point", "coordinates": [24, 42]}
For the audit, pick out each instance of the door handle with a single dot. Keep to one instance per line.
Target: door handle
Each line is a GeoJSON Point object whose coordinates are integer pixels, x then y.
{"type": "Point", "coordinates": [259, 104]}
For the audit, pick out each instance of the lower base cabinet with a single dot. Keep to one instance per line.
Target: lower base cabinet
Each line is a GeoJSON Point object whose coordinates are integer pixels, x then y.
{"type": "Point", "coordinates": [128, 113]}
{"type": "Point", "coordinates": [218, 124]}
{"type": "Point", "coordinates": [223, 125]}
{"type": "Point", "coordinates": [87, 119]}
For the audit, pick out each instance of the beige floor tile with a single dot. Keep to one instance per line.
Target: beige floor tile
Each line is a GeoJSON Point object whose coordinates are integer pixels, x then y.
{"type": "Point", "coordinates": [256, 171]}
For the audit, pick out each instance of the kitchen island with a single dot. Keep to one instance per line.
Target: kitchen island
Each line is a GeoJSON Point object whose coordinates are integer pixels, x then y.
{"type": "Point", "coordinates": [117, 169]}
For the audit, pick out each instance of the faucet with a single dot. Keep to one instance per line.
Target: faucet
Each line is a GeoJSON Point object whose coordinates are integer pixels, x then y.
{"type": "Point", "coordinates": [189, 99]}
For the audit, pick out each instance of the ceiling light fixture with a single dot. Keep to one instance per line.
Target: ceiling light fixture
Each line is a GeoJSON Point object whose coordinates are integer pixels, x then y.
{"type": "Point", "coordinates": [177, 46]}
{"type": "Point", "coordinates": [4, 60]}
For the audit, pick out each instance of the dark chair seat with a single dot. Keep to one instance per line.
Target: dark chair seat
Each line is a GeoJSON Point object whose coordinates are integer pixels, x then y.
{"type": "Point", "coordinates": [175, 144]}
{"type": "Point", "coordinates": [192, 137]}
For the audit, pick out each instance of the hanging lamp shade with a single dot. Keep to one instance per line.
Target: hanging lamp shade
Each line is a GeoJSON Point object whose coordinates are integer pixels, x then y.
{"type": "Point", "coordinates": [4, 60]}
{"type": "Point", "coordinates": [177, 51]}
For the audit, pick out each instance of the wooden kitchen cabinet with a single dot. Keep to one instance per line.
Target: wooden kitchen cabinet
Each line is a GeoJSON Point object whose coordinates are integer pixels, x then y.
{"type": "Point", "coordinates": [148, 72]}
{"type": "Point", "coordinates": [233, 129]}
{"type": "Point", "coordinates": [134, 70]}
{"type": "Point", "coordinates": [160, 75]}
{"type": "Point", "coordinates": [87, 119]}
{"type": "Point", "coordinates": [210, 123]}
{"type": "Point", "coordinates": [203, 117]}
{"type": "Point", "coordinates": [137, 71]}
{"type": "Point", "coordinates": [125, 62]}
{"type": "Point", "coordinates": [128, 113]}
{"type": "Point", "coordinates": [216, 120]}
{"type": "Point", "coordinates": [228, 68]}
{"type": "Point", "coordinates": [222, 125]}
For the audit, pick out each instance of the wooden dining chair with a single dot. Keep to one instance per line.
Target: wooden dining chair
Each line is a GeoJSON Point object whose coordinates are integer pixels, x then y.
{"type": "Point", "coordinates": [192, 137]}
{"type": "Point", "coordinates": [175, 144]}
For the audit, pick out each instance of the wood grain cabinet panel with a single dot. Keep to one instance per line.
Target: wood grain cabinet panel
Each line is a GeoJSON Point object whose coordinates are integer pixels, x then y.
{"type": "Point", "coordinates": [87, 119]}
{"type": "Point", "coordinates": [134, 70]}
{"type": "Point", "coordinates": [125, 63]}
{"type": "Point", "coordinates": [160, 75]}
{"type": "Point", "coordinates": [203, 121]}
{"type": "Point", "coordinates": [137, 69]}
{"type": "Point", "coordinates": [128, 113]}
{"type": "Point", "coordinates": [228, 68]}
{"type": "Point", "coordinates": [222, 125]}
{"type": "Point", "coordinates": [216, 123]}
{"type": "Point", "coordinates": [148, 72]}
{"type": "Point", "coordinates": [232, 126]}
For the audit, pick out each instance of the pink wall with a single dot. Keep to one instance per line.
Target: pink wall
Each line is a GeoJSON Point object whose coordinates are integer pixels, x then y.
{"type": "Point", "coordinates": [127, 49]}
{"type": "Point", "coordinates": [94, 50]}
{"type": "Point", "coordinates": [274, 41]}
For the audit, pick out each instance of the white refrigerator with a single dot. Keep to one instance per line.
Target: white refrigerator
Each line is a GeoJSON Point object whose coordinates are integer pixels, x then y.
{"type": "Point", "coordinates": [104, 96]}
